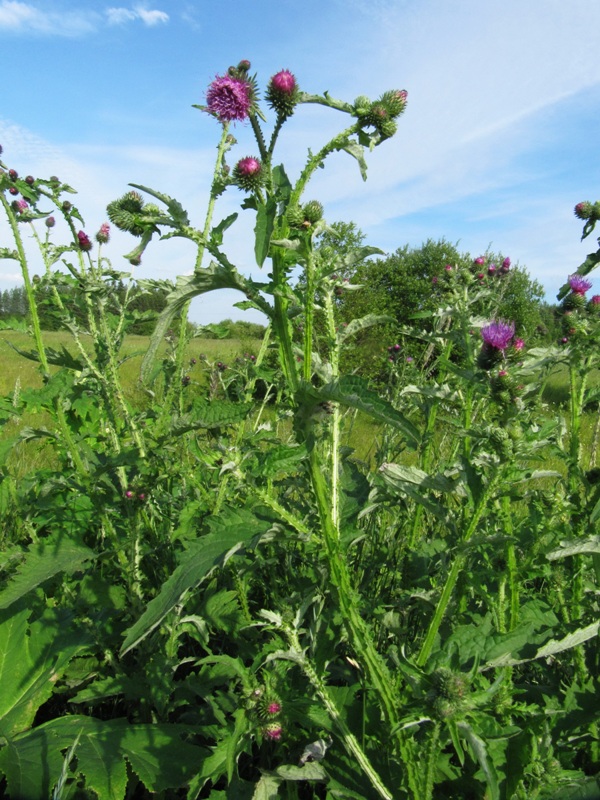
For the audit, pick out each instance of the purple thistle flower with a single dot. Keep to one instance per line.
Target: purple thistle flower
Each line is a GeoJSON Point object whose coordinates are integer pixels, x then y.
{"type": "Point", "coordinates": [84, 241]}
{"type": "Point", "coordinates": [229, 98]}
{"type": "Point", "coordinates": [284, 82]}
{"type": "Point", "coordinates": [274, 708]}
{"type": "Point", "coordinates": [518, 344]}
{"type": "Point", "coordinates": [579, 285]}
{"type": "Point", "coordinates": [498, 334]}
{"type": "Point", "coordinates": [248, 166]}
{"type": "Point", "coordinates": [479, 260]}
{"type": "Point", "coordinates": [22, 206]}
{"type": "Point", "coordinates": [596, 300]}
{"type": "Point", "coordinates": [273, 731]}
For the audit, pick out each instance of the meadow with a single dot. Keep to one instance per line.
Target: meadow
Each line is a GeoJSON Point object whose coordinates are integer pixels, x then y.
{"type": "Point", "coordinates": [231, 571]}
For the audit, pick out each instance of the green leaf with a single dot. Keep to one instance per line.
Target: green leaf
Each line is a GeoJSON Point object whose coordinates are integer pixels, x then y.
{"type": "Point", "coordinates": [43, 560]}
{"type": "Point", "coordinates": [267, 788]}
{"type": "Point", "coordinates": [175, 208]}
{"type": "Point", "coordinates": [282, 184]}
{"type": "Point", "coordinates": [217, 232]}
{"type": "Point", "coordinates": [229, 532]}
{"type": "Point", "coordinates": [216, 276]}
{"type": "Point", "coordinates": [479, 748]}
{"type": "Point", "coordinates": [280, 461]}
{"type": "Point", "coordinates": [215, 414]}
{"type": "Point", "coordinates": [354, 392]}
{"type": "Point", "coordinates": [591, 545]}
{"type": "Point", "coordinates": [361, 324]}
{"type": "Point", "coordinates": [157, 754]}
{"type": "Point", "coordinates": [32, 659]}
{"type": "Point", "coordinates": [263, 230]}
{"type": "Point", "coordinates": [358, 152]}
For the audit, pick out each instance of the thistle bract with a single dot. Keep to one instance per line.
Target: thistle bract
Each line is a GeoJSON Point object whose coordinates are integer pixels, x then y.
{"type": "Point", "coordinates": [248, 174]}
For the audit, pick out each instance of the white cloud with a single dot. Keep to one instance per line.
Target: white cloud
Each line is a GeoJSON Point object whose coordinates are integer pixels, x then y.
{"type": "Point", "coordinates": [151, 17]}
{"type": "Point", "coordinates": [17, 17]}
{"type": "Point", "coordinates": [120, 15]}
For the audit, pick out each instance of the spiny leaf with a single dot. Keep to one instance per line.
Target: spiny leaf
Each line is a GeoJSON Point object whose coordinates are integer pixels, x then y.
{"type": "Point", "coordinates": [591, 545]}
{"type": "Point", "coordinates": [207, 279]}
{"type": "Point", "coordinates": [361, 324]}
{"type": "Point", "coordinates": [354, 392]}
{"type": "Point", "coordinates": [175, 208]}
{"type": "Point", "coordinates": [43, 560]}
{"type": "Point", "coordinates": [32, 658]}
{"type": "Point", "coordinates": [479, 748]}
{"type": "Point", "coordinates": [229, 532]}
{"type": "Point", "coordinates": [358, 152]}
{"type": "Point", "coordinates": [267, 788]}
{"type": "Point", "coordinates": [157, 754]}
{"type": "Point", "coordinates": [263, 230]}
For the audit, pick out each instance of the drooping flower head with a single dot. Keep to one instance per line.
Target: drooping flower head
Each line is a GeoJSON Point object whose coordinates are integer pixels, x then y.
{"type": "Point", "coordinates": [229, 98]}
{"type": "Point", "coordinates": [282, 93]}
{"type": "Point", "coordinates": [497, 335]}
{"type": "Point", "coordinates": [579, 285]}
{"type": "Point", "coordinates": [84, 241]}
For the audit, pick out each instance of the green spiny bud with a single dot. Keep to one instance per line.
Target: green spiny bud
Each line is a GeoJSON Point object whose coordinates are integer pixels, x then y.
{"type": "Point", "coordinates": [313, 211]}
{"type": "Point", "coordinates": [294, 216]}
{"type": "Point", "coordinates": [125, 213]}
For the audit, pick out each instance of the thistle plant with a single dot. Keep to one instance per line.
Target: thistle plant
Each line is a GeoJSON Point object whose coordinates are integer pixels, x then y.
{"type": "Point", "coordinates": [210, 595]}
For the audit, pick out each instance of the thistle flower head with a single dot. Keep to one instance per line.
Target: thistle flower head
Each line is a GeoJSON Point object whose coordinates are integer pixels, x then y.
{"type": "Point", "coordinates": [579, 285]}
{"type": "Point", "coordinates": [274, 708]}
{"type": "Point", "coordinates": [479, 260]}
{"type": "Point", "coordinates": [248, 173]}
{"type": "Point", "coordinates": [50, 222]}
{"type": "Point", "coordinates": [595, 301]}
{"type": "Point", "coordinates": [282, 93]}
{"type": "Point", "coordinates": [84, 241]}
{"type": "Point", "coordinates": [230, 98]}
{"type": "Point", "coordinates": [518, 344]}
{"type": "Point", "coordinates": [497, 335]}
{"type": "Point", "coordinates": [21, 206]}
{"type": "Point", "coordinates": [103, 234]}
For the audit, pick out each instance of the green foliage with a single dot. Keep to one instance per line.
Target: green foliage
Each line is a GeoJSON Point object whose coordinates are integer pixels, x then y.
{"type": "Point", "coordinates": [207, 594]}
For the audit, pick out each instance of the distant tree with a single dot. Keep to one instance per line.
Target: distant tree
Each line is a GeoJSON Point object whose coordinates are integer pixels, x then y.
{"type": "Point", "coordinates": [403, 284]}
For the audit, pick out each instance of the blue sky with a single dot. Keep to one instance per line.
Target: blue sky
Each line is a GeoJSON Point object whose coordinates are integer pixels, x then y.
{"type": "Point", "coordinates": [498, 142]}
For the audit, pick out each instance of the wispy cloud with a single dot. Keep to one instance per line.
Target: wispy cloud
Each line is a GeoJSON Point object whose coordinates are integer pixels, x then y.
{"type": "Point", "coordinates": [150, 17]}
{"type": "Point", "coordinates": [17, 17]}
{"type": "Point", "coordinates": [25, 18]}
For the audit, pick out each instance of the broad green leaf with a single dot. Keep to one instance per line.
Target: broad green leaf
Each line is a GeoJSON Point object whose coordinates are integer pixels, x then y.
{"type": "Point", "coordinates": [32, 659]}
{"type": "Point", "coordinates": [280, 461]}
{"type": "Point", "coordinates": [263, 230]}
{"type": "Point", "coordinates": [282, 184]}
{"type": "Point", "coordinates": [217, 232]}
{"type": "Point", "coordinates": [43, 560]}
{"type": "Point", "coordinates": [229, 532]}
{"type": "Point", "coordinates": [591, 545]}
{"type": "Point", "coordinates": [307, 772]}
{"type": "Point", "coordinates": [354, 392]}
{"type": "Point", "coordinates": [157, 754]}
{"type": "Point", "coordinates": [267, 788]}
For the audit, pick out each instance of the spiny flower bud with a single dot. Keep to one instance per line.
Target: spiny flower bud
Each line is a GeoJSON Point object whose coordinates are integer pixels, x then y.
{"type": "Point", "coordinates": [244, 65]}
{"type": "Point", "coordinates": [394, 101]}
{"type": "Point", "coordinates": [84, 241]}
{"type": "Point", "coordinates": [13, 174]}
{"type": "Point", "coordinates": [282, 93]}
{"type": "Point", "coordinates": [30, 180]}
{"type": "Point", "coordinates": [273, 731]}
{"type": "Point", "coordinates": [294, 216]}
{"type": "Point", "coordinates": [248, 174]}
{"type": "Point", "coordinates": [584, 210]}
{"type": "Point", "coordinates": [313, 211]}
{"type": "Point", "coordinates": [50, 222]}
{"type": "Point", "coordinates": [125, 213]}
{"type": "Point", "coordinates": [362, 104]}
{"type": "Point", "coordinates": [103, 234]}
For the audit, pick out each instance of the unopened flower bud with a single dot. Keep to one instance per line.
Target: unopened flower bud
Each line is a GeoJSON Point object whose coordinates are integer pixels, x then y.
{"type": "Point", "coordinates": [248, 174]}
{"type": "Point", "coordinates": [13, 174]}
{"type": "Point", "coordinates": [282, 93]}
{"type": "Point", "coordinates": [584, 210]}
{"type": "Point", "coordinates": [84, 241]}
{"type": "Point", "coordinates": [30, 180]}
{"type": "Point", "coordinates": [50, 222]}
{"type": "Point", "coordinates": [103, 234]}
